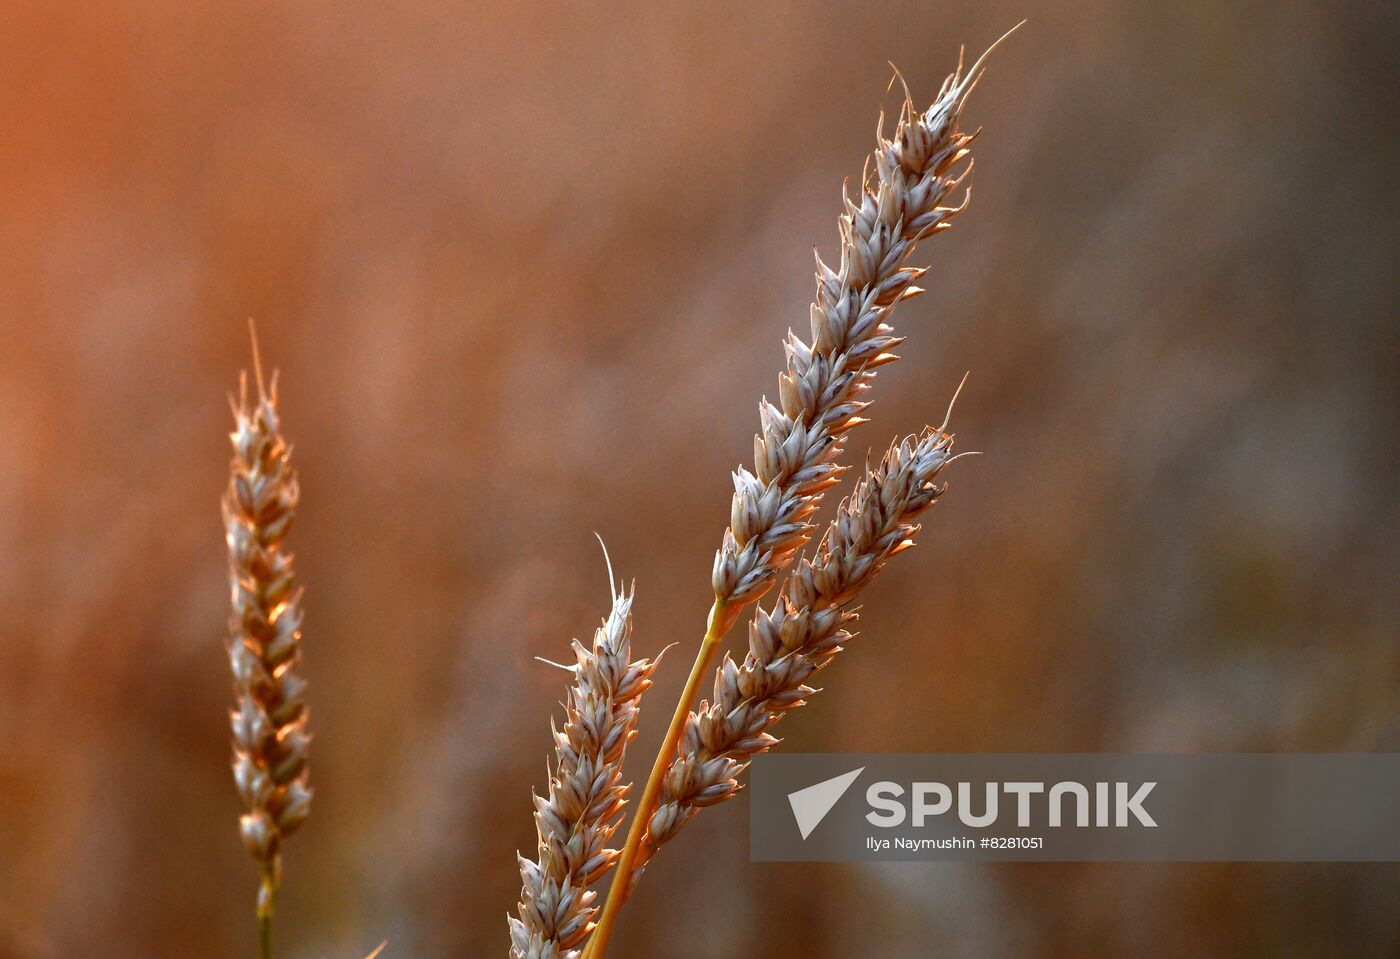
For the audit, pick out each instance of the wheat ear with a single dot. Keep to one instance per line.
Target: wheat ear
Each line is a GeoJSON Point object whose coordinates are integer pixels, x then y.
{"type": "Point", "coordinates": [270, 739]}
{"type": "Point", "coordinates": [579, 813]}
{"type": "Point", "coordinates": [808, 625]}
{"type": "Point", "coordinates": [820, 392]}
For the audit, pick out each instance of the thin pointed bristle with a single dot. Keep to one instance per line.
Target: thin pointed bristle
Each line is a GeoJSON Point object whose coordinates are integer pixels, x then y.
{"type": "Point", "coordinates": [975, 71]}
{"type": "Point", "coordinates": [257, 358]}
{"type": "Point", "coordinates": [948, 416]}
{"type": "Point", "coordinates": [612, 583]}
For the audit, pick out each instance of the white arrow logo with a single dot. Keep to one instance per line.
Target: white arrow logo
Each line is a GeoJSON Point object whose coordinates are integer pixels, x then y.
{"type": "Point", "coordinates": [810, 805]}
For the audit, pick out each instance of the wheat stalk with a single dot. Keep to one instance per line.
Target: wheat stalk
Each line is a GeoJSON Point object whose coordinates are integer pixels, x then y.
{"type": "Point", "coordinates": [270, 740]}
{"type": "Point", "coordinates": [807, 626]}
{"type": "Point", "coordinates": [820, 399]}
{"type": "Point", "coordinates": [586, 794]}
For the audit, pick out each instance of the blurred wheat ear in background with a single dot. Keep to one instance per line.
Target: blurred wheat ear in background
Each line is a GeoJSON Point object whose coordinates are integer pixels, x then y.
{"type": "Point", "coordinates": [270, 740]}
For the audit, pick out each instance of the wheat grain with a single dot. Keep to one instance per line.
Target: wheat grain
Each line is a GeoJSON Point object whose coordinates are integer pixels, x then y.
{"type": "Point", "coordinates": [808, 625]}
{"type": "Point", "coordinates": [270, 739]}
{"type": "Point", "coordinates": [578, 815]}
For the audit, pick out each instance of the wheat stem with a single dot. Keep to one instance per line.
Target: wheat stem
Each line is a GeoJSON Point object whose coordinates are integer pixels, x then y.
{"type": "Point", "coordinates": [267, 906]}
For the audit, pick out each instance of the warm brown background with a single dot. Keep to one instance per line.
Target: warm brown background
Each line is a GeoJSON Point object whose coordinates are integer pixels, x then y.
{"type": "Point", "coordinates": [524, 269]}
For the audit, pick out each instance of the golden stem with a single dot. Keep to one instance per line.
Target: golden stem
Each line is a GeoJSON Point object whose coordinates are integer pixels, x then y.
{"type": "Point", "coordinates": [267, 902]}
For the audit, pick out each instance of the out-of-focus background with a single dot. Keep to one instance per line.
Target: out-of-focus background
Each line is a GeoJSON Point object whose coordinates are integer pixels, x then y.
{"type": "Point", "coordinates": [524, 269]}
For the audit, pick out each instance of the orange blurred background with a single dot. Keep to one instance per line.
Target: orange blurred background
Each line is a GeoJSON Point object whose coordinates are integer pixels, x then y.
{"type": "Point", "coordinates": [524, 269]}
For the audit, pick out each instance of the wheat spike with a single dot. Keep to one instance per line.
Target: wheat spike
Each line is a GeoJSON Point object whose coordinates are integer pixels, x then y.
{"type": "Point", "coordinates": [270, 739]}
{"type": "Point", "coordinates": [577, 816]}
{"type": "Point", "coordinates": [820, 392]}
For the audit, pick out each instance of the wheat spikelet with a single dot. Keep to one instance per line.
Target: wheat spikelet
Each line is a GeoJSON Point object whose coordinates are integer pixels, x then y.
{"type": "Point", "coordinates": [270, 739]}
{"type": "Point", "coordinates": [807, 626]}
{"type": "Point", "coordinates": [915, 173]}
{"type": "Point", "coordinates": [578, 815]}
